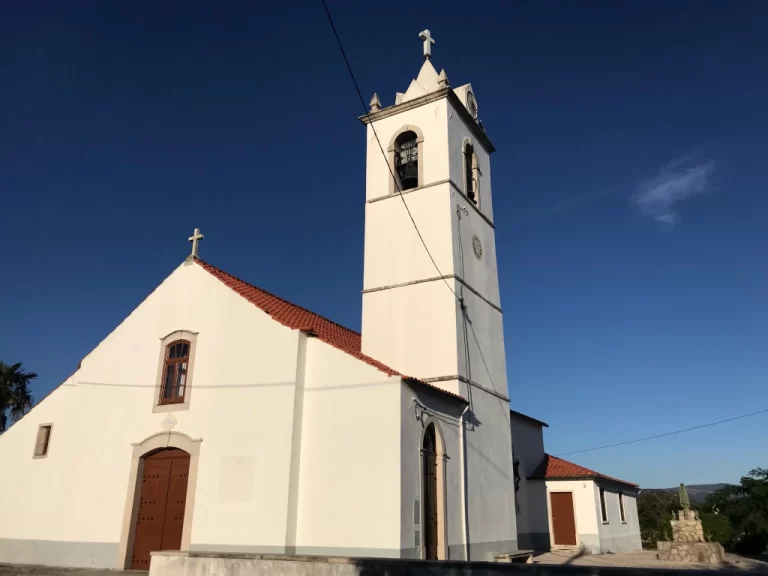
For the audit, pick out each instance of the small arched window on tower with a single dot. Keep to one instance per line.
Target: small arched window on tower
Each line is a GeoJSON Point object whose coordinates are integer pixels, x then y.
{"type": "Point", "coordinates": [470, 173]}
{"type": "Point", "coordinates": [407, 160]}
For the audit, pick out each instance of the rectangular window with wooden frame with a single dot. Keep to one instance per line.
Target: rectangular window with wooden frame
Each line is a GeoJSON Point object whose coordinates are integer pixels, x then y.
{"type": "Point", "coordinates": [621, 508]}
{"type": "Point", "coordinates": [603, 507]}
{"type": "Point", "coordinates": [43, 441]}
{"type": "Point", "coordinates": [175, 372]}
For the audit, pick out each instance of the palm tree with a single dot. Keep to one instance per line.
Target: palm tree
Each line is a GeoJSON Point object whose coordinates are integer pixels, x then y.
{"type": "Point", "coordinates": [15, 397]}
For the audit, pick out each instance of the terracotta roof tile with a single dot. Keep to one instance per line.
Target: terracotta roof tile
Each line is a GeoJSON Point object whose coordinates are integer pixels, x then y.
{"type": "Point", "coordinates": [299, 318]}
{"type": "Point", "coordinates": [554, 468]}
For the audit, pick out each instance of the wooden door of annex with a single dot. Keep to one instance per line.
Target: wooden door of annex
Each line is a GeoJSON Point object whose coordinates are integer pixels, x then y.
{"type": "Point", "coordinates": [163, 495]}
{"type": "Point", "coordinates": [563, 520]}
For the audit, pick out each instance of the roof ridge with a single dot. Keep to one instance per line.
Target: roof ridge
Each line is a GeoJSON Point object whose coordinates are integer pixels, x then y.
{"type": "Point", "coordinates": [547, 470]}
{"type": "Point", "coordinates": [328, 331]}
{"type": "Point", "coordinates": [203, 263]}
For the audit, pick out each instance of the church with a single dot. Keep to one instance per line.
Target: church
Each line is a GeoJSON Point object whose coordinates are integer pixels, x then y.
{"type": "Point", "coordinates": [219, 417]}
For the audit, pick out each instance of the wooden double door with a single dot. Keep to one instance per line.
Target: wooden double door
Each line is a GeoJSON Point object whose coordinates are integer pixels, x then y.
{"type": "Point", "coordinates": [163, 496]}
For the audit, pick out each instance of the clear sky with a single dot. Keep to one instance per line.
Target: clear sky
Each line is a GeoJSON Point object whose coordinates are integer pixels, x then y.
{"type": "Point", "coordinates": [629, 190]}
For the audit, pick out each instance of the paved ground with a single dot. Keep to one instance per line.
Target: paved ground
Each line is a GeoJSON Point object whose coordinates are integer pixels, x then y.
{"type": "Point", "coordinates": [645, 559]}
{"type": "Point", "coordinates": [30, 570]}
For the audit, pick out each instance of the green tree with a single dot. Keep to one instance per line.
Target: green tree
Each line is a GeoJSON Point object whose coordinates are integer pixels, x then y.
{"type": "Point", "coordinates": [654, 510]}
{"type": "Point", "coordinates": [746, 507]}
{"type": "Point", "coordinates": [15, 397]}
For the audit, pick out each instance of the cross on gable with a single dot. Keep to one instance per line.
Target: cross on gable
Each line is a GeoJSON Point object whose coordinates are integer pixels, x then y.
{"type": "Point", "coordinates": [195, 238]}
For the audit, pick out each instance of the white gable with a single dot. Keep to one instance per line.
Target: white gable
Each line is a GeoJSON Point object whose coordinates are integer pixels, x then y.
{"type": "Point", "coordinates": [247, 370]}
{"type": "Point", "coordinates": [425, 83]}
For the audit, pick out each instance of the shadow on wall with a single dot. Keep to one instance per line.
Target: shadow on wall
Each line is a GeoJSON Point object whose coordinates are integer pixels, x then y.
{"type": "Point", "coordinates": [538, 516]}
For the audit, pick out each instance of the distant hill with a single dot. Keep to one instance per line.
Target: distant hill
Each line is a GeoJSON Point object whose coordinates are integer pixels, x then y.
{"type": "Point", "coordinates": [697, 492]}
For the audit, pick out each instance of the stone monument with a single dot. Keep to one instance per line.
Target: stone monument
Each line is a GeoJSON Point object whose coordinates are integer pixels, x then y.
{"type": "Point", "coordinates": [688, 543]}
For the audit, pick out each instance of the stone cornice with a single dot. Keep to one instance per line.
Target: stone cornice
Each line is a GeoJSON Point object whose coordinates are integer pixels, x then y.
{"type": "Point", "coordinates": [467, 381]}
{"type": "Point", "coordinates": [435, 279]}
{"type": "Point", "coordinates": [478, 133]}
{"type": "Point", "coordinates": [438, 183]}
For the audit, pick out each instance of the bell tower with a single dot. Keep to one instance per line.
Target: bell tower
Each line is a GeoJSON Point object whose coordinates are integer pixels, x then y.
{"type": "Point", "coordinates": [434, 314]}
{"type": "Point", "coordinates": [434, 185]}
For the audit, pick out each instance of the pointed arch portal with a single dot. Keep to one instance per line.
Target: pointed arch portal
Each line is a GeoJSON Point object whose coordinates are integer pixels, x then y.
{"type": "Point", "coordinates": [433, 493]}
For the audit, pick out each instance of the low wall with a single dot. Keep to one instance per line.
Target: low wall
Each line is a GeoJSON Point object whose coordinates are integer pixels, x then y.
{"type": "Point", "coordinates": [205, 564]}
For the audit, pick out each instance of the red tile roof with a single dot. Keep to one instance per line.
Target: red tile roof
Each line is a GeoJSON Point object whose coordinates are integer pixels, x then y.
{"type": "Point", "coordinates": [554, 468]}
{"type": "Point", "coordinates": [299, 318]}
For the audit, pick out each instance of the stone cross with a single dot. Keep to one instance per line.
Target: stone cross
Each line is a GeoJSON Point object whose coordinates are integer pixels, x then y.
{"type": "Point", "coordinates": [426, 36]}
{"type": "Point", "coordinates": [195, 238]}
{"type": "Point", "coordinates": [684, 500]}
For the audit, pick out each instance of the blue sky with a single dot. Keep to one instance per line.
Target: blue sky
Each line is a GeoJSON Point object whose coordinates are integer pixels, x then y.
{"type": "Point", "coordinates": [629, 190]}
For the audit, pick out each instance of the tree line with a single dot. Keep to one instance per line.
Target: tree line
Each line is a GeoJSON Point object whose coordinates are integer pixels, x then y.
{"type": "Point", "coordinates": [736, 516]}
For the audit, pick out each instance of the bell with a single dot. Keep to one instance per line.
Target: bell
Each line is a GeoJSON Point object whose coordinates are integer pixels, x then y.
{"type": "Point", "coordinates": [410, 177]}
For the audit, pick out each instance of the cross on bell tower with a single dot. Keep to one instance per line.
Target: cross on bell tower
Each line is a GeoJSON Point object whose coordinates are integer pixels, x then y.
{"type": "Point", "coordinates": [426, 36]}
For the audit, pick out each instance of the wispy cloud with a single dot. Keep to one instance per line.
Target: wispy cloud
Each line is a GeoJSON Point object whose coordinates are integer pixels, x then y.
{"type": "Point", "coordinates": [658, 198]}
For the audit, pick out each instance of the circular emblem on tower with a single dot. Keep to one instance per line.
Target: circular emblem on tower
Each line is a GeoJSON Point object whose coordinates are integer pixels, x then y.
{"type": "Point", "coordinates": [477, 247]}
{"type": "Point", "coordinates": [471, 104]}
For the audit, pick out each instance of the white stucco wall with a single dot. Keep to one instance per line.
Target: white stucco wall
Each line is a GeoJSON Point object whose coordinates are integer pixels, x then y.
{"type": "Point", "coordinates": [253, 490]}
{"type": "Point", "coordinates": [398, 321]}
{"type": "Point", "coordinates": [528, 448]}
{"type": "Point", "coordinates": [458, 131]}
{"type": "Point", "coordinates": [592, 532]}
{"type": "Point", "coordinates": [413, 329]}
{"type": "Point", "coordinates": [491, 487]}
{"type": "Point", "coordinates": [349, 497]}
{"type": "Point", "coordinates": [445, 414]}
{"type": "Point", "coordinates": [80, 488]}
{"type": "Point", "coordinates": [587, 530]}
{"type": "Point", "coordinates": [615, 535]}
{"type": "Point", "coordinates": [431, 119]}
{"type": "Point", "coordinates": [414, 323]}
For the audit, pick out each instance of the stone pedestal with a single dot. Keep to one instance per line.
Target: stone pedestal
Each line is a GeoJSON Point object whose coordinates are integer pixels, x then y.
{"type": "Point", "coordinates": [688, 543]}
{"type": "Point", "coordinates": [708, 552]}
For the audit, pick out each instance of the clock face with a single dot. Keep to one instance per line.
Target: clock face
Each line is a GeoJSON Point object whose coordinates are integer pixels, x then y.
{"type": "Point", "coordinates": [472, 105]}
{"type": "Point", "coordinates": [477, 247]}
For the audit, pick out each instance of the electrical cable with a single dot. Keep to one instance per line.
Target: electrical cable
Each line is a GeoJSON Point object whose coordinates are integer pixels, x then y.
{"type": "Point", "coordinates": [397, 184]}
{"type": "Point", "coordinates": [636, 440]}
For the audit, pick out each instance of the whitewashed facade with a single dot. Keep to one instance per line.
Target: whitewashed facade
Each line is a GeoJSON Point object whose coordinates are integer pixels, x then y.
{"type": "Point", "coordinates": [292, 434]}
{"type": "Point", "coordinates": [286, 433]}
{"type": "Point", "coordinates": [563, 505]}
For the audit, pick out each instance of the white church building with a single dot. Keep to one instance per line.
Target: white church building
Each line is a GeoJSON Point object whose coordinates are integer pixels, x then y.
{"type": "Point", "coordinates": [219, 417]}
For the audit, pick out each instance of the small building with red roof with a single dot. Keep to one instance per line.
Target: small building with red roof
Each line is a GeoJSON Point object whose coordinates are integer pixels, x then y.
{"type": "Point", "coordinates": [561, 504]}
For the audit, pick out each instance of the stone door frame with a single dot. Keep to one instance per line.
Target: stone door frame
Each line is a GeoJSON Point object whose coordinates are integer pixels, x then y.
{"type": "Point", "coordinates": [441, 505]}
{"type": "Point", "coordinates": [131, 510]}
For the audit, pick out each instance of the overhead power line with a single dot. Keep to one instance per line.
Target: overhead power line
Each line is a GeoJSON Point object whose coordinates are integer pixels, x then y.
{"type": "Point", "coordinates": [459, 299]}
{"type": "Point", "coordinates": [443, 278]}
{"type": "Point", "coordinates": [381, 148]}
{"type": "Point", "coordinates": [635, 441]}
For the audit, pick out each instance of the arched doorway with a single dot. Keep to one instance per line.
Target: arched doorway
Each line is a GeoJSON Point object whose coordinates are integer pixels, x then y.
{"type": "Point", "coordinates": [162, 500]}
{"type": "Point", "coordinates": [433, 490]}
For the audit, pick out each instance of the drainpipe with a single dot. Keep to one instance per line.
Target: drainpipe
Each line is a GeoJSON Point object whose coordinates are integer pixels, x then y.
{"type": "Point", "coordinates": [464, 501]}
